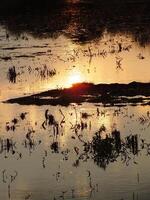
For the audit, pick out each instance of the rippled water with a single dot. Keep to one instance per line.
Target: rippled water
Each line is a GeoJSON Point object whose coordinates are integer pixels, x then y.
{"type": "Point", "coordinates": [38, 171]}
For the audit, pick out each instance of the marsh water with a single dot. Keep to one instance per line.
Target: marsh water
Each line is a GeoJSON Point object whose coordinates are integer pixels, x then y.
{"type": "Point", "coordinates": [74, 42]}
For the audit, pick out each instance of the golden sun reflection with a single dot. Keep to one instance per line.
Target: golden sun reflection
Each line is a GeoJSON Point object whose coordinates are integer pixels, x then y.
{"type": "Point", "coordinates": [74, 78]}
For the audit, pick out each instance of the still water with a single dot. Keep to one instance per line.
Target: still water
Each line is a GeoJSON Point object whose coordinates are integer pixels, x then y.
{"type": "Point", "coordinates": [32, 167]}
{"type": "Point", "coordinates": [96, 62]}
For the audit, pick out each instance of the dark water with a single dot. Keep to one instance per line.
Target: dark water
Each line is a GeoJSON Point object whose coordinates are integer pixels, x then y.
{"type": "Point", "coordinates": [45, 45]}
{"type": "Point", "coordinates": [86, 19]}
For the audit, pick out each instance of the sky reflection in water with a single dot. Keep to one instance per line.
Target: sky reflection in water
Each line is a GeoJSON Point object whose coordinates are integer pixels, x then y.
{"type": "Point", "coordinates": [55, 48]}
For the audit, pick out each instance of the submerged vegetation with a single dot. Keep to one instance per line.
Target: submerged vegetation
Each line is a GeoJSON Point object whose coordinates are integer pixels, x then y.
{"type": "Point", "coordinates": [103, 148]}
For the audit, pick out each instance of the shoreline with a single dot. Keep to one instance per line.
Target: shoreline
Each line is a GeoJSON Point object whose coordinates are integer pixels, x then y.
{"type": "Point", "coordinates": [111, 94]}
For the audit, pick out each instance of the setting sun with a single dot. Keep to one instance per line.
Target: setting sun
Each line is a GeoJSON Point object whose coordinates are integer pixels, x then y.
{"type": "Point", "coordinates": [74, 78]}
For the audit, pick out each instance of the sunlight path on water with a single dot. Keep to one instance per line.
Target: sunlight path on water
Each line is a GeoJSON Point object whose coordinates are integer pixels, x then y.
{"type": "Point", "coordinates": [45, 174]}
{"type": "Point", "coordinates": [43, 64]}
{"type": "Point", "coordinates": [79, 151]}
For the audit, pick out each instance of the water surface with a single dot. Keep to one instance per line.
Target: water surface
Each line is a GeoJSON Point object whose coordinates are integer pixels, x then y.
{"type": "Point", "coordinates": [56, 50]}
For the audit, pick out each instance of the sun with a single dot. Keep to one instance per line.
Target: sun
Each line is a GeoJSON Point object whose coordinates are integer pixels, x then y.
{"type": "Point", "coordinates": [74, 78]}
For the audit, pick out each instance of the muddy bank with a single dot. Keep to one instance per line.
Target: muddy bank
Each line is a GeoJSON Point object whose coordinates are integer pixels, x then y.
{"type": "Point", "coordinates": [107, 94]}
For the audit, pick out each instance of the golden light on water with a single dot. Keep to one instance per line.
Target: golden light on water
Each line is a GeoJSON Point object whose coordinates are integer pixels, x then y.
{"type": "Point", "coordinates": [73, 78]}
